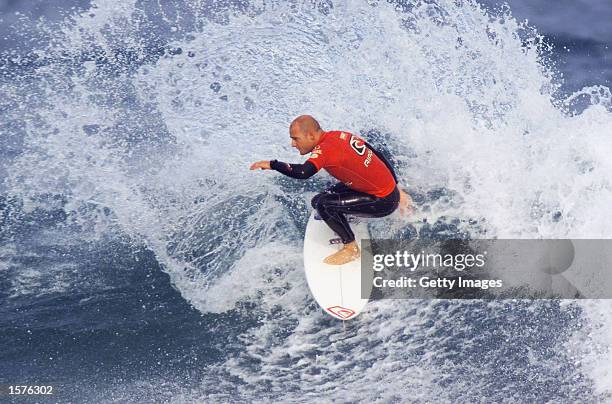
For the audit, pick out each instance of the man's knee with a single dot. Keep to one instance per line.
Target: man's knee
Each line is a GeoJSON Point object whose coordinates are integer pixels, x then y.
{"type": "Point", "coordinates": [323, 201]}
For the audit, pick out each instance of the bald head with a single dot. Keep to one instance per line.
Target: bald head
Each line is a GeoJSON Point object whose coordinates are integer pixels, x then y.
{"type": "Point", "coordinates": [305, 124]}
{"type": "Point", "coordinates": [305, 133]}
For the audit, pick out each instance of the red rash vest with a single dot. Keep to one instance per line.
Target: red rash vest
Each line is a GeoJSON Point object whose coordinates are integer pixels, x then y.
{"type": "Point", "coordinates": [346, 157]}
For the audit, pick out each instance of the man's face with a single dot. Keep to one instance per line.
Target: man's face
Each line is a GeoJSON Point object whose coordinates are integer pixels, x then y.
{"type": "Point", "coordinates": [302, 141]}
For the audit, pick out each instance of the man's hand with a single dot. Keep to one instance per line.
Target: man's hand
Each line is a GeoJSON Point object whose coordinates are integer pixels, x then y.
{"type": "Point", "coordinates": [264, 165]}
{"type": "Point", "coordinates": [405, 204]}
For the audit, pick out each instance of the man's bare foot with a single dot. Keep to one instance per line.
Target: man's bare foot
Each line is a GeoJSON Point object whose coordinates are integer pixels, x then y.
{"type": "Point", "coordinates": [406, 205]}
{"type": "Point", "coordinates": [348, 253]}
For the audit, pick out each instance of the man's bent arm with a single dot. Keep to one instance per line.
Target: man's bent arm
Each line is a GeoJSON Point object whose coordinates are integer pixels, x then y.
{"type": "Point", "coordinates": [384, 160]}
{"type": "Point", "coordinates": [299, 171]}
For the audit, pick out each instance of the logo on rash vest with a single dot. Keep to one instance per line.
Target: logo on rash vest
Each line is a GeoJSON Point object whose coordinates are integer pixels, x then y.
{"type": "Point", "coordinates": [357, 145]}
{"type": "Point", "coordinates": [368, 159]}
{"type": "Point", "coordinates": [341, 312]}
{"type": "Point", "coordinates": [342, 135]}
{"type": "Point", "coordinates": [315, 152]}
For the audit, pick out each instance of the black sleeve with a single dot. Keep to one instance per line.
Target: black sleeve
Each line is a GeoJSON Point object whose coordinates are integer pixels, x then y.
{"type": "Point", "coordinates": [300, 171]}
{"type": "Point", "coordinates": [384, 160]}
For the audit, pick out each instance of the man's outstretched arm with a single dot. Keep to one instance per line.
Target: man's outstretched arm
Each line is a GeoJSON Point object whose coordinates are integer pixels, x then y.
{"type": "Point", "coordinates": [299, 171]}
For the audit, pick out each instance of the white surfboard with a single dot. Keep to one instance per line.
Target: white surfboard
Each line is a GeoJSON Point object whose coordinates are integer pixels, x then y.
{"type": "Point", "coordinates": [337, 288]}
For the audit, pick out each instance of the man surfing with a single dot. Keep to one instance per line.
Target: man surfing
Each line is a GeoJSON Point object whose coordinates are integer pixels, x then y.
{"type": "Point", "coordinates": [367, 187]}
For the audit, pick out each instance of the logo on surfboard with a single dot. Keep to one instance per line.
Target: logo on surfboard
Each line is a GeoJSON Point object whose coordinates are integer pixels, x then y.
{"type": "Point", "coordinates": [341, 312]}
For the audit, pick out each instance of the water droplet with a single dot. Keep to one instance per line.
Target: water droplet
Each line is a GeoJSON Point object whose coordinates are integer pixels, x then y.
{"type": "Point", "coordinates": [249, 104]}
{"type": "Point", "coordinates": [215, 87]}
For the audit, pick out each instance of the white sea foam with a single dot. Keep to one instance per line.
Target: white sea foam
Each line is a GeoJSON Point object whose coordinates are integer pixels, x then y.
{"type": "Point", "coordinates": [468, 106]}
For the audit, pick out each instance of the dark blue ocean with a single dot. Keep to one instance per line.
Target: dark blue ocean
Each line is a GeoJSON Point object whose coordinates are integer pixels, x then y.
{"type": "Point", "coordinates": [141, 261]}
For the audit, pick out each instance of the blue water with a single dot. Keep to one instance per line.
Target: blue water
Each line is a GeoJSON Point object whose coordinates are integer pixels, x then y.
{"type": "Point", "coordinates": [579, 34]}
{"type": "Point", "coordinates": [141, 261]}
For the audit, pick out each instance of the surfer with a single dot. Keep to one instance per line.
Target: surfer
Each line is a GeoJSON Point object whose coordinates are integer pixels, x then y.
{"type": "Point", "coordinates": [367, 187]}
